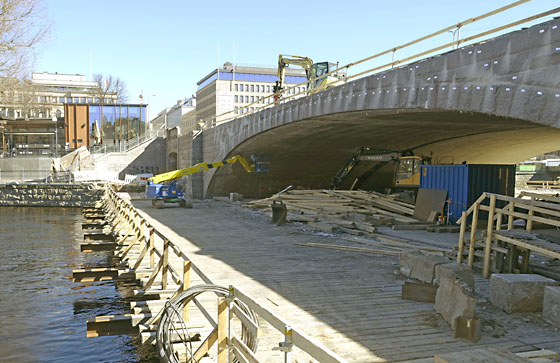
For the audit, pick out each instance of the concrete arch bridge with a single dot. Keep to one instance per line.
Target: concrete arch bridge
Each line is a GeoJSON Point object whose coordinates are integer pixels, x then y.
{"type": "Point", "coordinates": [497, 101]}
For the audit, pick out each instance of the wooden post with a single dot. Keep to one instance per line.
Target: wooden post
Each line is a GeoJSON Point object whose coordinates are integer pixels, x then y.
{"type": "Point", "coordinates": [473, 234]}
{"type": "Point", "coordinates": [489, 231]}
{"type": "Point", "coordinates": [186, 285]}
{"type": "Point", "coordinates": [511, 208]}
{"type": "Point", "coordinates": [461, 244]}
{"type": "Point", "coordinates": [165, 267]}
{"type": "Point", "coordinates": [529, 226]}
{"type": "Point", "coordinates": [152, 248]}
{"type": "Point", "coordinates": [498, 221]}
{"type": "Point", "coordinates": [222, 330]}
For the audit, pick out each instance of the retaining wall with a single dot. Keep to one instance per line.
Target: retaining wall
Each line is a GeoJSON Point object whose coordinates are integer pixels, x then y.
{"type": "Point", "coordinates": [48, 195]}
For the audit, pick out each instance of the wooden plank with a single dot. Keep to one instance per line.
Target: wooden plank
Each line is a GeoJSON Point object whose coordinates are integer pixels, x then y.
{"type": "Point", "coordinates": [466, 328]}
{"type": "Point", "coordinates": [348, 248]}
{"type": "Point", "coordinates": [244, 350]}
{"type": "Point", "coordinates": [98, 246]}
{"type": "Point", "coordinates": [206, 345]}
{"type": "Point", "coordinates": [222, 330]}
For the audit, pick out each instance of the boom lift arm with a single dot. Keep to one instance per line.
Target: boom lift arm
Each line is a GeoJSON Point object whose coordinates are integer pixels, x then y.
{"type": "Point", "coordinates": [176, 174]}
{"type": "Point", "coordinates": [163, 187]}
{"type": "Point", "coordinates": [285, 60]}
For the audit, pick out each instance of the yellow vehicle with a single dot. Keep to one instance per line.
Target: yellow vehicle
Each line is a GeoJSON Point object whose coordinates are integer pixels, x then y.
{"type": "Point", "coordinates": [162, 188]}
{"type": "Point", "coordinates": [312, 71]}
{"type": "Point", "coordinates": [408, 171]}
{"type": "Point", "coordinates": [406, 174]}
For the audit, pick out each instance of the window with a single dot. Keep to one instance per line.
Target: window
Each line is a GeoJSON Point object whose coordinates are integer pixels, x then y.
{"type": "Point", "coordinates": [257, 88]}
{"type": "Point", "coordinates": [241, 87]}
{"type": "Point", "coordinates": [236, 109]}
{"type": "Point", "coordinates": [252, 109]}
{"type": "Point", "coordinates": [76, 100]}
{"type": "Point", "coordinates": [83, 100]}
{"type": "Point", "coordinates": [247, 87]}
{"type": "Point", "coordinates": [43, 99]}
{"type": "Point", "coordinates": [235, 99]}
{"type": "Point", "coordinates": [236, 88]}
{"type": "Point", "coordinates": [246, 99]}
{"type": "Point", "coordinates": [68, 99]}
{"type": "Point", "coordinates": [61, 99]}
{"type": "Point", "coordinates": [258, 98]}
{"type": "Point", "coordinates": [252, 88]}
{"type": "Point", "coordinates": [252, 99]}
{"type": "Point", "coordinates": [267, 88]}
{"type": "Point", "coordinates": [90, 99]}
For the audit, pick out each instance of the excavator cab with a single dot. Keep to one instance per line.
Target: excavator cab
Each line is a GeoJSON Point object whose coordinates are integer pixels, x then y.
{"type": "Point", "coordinates": [408, 171]}
{"type": "Point", "coordinates": [320, 69]}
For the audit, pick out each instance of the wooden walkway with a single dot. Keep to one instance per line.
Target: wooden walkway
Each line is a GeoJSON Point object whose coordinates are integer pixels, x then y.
{"type": "Point", "coordinates": [348, 301]}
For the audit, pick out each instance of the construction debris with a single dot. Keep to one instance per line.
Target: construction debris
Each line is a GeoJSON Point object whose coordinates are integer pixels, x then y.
{"type": "Point", "coordinates": [354, 212]}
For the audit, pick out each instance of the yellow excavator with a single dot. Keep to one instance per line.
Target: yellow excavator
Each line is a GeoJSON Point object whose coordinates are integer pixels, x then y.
{"type": "Point", "coordinates": [162, 188]}
{"type": "Point", "coordinates": [312, 71]}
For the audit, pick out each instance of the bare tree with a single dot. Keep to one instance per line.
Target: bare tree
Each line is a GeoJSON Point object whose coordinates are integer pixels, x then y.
{"type": "Point", "coordinates": [19, 97]}
{"type": "Point", "coordinates": [23, 24]}
{"type": "Point", "coordinates": [110, 88]}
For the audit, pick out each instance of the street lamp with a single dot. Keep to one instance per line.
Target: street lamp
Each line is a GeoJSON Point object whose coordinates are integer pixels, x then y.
{"type": "Point", "coordinates": [54, 118]}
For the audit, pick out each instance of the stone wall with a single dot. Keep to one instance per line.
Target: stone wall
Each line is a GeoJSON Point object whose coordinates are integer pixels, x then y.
{"type": "Point", "coordinates": [48, 195]}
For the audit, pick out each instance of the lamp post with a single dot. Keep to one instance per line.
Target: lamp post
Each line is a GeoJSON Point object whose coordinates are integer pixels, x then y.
{"type": "Point", "coordinates": [55, 120]}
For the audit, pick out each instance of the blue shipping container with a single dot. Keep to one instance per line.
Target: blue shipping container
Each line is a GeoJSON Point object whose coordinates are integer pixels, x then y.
{"type": "Point", "coordinates": [466, 182]}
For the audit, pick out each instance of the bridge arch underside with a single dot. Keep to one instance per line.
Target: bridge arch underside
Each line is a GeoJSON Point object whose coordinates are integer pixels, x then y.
{"type": "Point", "coordinates": [309, 153]}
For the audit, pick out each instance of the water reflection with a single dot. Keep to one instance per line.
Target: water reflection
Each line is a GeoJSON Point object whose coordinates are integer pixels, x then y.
{"type": "Point", "coordinates": [43, 312]}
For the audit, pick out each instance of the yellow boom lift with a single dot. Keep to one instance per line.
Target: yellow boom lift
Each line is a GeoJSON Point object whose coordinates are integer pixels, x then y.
{"type": "Point", "coordinates": [162, 188]}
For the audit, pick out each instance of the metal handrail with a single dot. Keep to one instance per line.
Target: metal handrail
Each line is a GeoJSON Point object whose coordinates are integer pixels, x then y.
{"type": "Point", "coordinates": [285, 93]}
{"type": "Point", "coordinates": [127, 145]}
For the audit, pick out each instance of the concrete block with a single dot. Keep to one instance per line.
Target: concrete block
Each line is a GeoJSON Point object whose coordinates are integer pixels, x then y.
{"type": "Point", "coordinates": [519, 292]}
{"type": "Point", "coordinates": [454, 299]}
{"type": "Point", "coordinates": [454, 270]}
{"type": "Point", "coordinates": [420, 265]}
{"type": "Point", "coordinates": [235, 197]}
{"type": "Point", "coordinates": [551, 305]}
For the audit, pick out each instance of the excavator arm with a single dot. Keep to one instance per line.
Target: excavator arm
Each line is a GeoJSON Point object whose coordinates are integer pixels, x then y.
{"type": "Point", "coordinates": [176, 174]}
{"type": "Point", "coordinates": [285, 60]}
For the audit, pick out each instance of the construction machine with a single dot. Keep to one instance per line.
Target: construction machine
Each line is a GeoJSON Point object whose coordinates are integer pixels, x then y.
{"type": "Point", "coordinates": [162, 188]}
{"type": "Point", "coordinates": [407, 171]}
{"type": "Point", "coordinates": [312, 70]}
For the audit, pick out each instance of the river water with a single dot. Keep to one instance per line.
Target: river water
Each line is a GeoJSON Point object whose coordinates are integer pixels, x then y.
{"type": "Point", "coordinates": [42, 312]}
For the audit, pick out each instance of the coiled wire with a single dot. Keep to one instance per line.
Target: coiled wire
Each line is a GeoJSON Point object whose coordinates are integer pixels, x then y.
{"type": "Point", "coordinates": [171, 322]}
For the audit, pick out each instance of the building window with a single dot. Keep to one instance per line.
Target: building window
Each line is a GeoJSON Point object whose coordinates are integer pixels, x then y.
{"type": "Point", "coordinates": [235, 99]}
{"type": "Point", "coordinates": [236, 87]}
{"type": "Point", "coordinates": [240, 88]}
{"type": "Point", "coordinates": [68, 99]}
{"type": "Point", "coordinates": [252, 99]}
{"type": "Point", "coordinates": [258, 98]}
{"type": "Point", "coordinates": [246, 99]}
{"type": "Point", "coordinates": [252, 109]}
{"type": "Point", "coordinates": [252, 88]}
{"type": "Point", "coordinates": [76, 100]}
{"type": "Point", "coordinates": [43, 99]}
{"type": "Point", "coordinates": [267, 88]}
{"type": "Point", "coordinates": [90, 99]}
{"type": "Point", "coordinates": [247, 88]}
{"type": "Point", "coordinates": [61, 99]}
{"type": "Point", "coordinates": [83, 100]}
{"type": "Point", "coordinates": [257, 88]}
{"type": "Point", "coordinates": [236, 109]}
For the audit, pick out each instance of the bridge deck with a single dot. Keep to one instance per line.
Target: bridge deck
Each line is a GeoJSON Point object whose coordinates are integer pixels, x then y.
{"type": "Point", "coordinates": [348, 301]}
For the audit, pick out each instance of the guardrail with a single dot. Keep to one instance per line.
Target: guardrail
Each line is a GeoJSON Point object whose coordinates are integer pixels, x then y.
{"type": "Point", "coordinates": [148, 252]}
{"type": "Point", "coordinates": [546, 211]}
{"type": "Point", "coordinates": [127, 145]}
{"type": "Point", "coordinates": [290, 93]}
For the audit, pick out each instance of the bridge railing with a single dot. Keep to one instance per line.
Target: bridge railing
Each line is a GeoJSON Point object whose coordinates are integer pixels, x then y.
{"type": "Point", "coordinates": [290, 93]}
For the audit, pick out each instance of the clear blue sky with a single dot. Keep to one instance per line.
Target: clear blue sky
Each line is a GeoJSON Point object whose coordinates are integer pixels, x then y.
{"type": "Point", "coordinates": [163, 48]}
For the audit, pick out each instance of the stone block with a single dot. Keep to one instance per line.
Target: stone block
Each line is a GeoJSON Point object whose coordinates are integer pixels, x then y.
{"type": "Point", "coordinates": [235, 197]}
{"type": "Point", "coordinates": [454, 298]}
{"type": "Point", "coordinates": [515, 293]}
{"type": "Point", "coordinates": [551, 305]}
{"type": "Point", "coordinates": [420, 265]}
{"type": "Point", "coordinates": [454, 270]}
